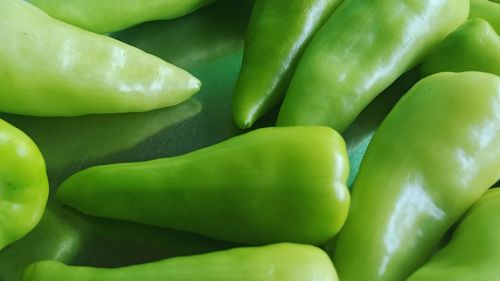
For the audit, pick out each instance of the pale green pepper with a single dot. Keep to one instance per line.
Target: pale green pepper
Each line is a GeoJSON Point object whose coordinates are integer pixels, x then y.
{"type": "Point", "coordinates": [360, 50]}
{"type": "Point", "coordinates": [474, 46]}
{"type": "Point", "coordinates": [269, 185]}
{"type": "Point", "coordinates": [24, 186]}
{"type": "Point", "coordinates": [50, 68]}
{"type": "Point", "coordinates": [434, 155]}
{"type": "Point", "coordinates": [486, 10]}
{"type": "Point", "coordinates": [279, 262]}
{"type": "Point", "coordinates": [473, 252]}
{"type": "Point", "coordinates": [103, 16]}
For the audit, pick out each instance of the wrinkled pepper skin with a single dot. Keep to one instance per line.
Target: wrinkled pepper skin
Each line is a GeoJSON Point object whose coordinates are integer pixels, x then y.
{"type": "Point", "coordinates": [276, 38]}
{"type": "Point", "coordinates": [24, 187]}
{"type": "Point", "coordinates": [362, 48]}
{"type": "Point", "coordinates": [486, 10]}
{"type": "Point", "coordinates": [104, 16]}
{"type": "Point", "coordinates": [269, 185]}
{"type": "Point", "coordinates": [433, 156]}
{"type": "Point", "coordinates": [51, 68]}
{"type": "Point", "coordinates": [279, 262]}
{"type": "Point", "coordinates": [475, 46]}
{"type": "Point", "coordinates": [472, 253]}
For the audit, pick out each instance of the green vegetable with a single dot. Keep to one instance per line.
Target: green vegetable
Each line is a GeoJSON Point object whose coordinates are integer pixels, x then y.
{"type": "Point", "coordinates": [24, 186]}
{"type": "Point", "coordinates": [103, 16]}
{"type": "Point", "coordinates": [472, 253]}
{"type": "Point", "coordinates": [269, 185]}
{"type": "Point", "coordinates": [360, 51]}
{"type": "Point", "coordinates": [433, 156]}
{"type": "Point", "coordinates": [279, 262]}
{"type": "Point", "coordinates": [276, 37]}
{"type": "Point", "coordinates": [486, 10]}
{"type": "Point", "coordinates": [359, 134]}
{"type": "Point", "coordinates": [71, 237]}
{"type": "Point", "coordinates": [51, 68]}
{"type": "Point", "coordinates": [475, 46]}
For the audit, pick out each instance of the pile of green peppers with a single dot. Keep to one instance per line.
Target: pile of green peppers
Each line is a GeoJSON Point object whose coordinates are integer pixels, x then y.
{"type": "Point", "coordinates": [126, 151]}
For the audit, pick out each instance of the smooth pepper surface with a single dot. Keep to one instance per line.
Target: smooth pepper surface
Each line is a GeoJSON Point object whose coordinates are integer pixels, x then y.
{"type": "Point", "coordinates": [433, 156]}
{"type": "Point", "coordinates": [50, 68]}
{"type": "Point", "coordinates": [269, 185]}
{"type": "Point", "coordinates": [472, 253]}
{"type": "Point", "coordinates": [486, 10]}
{"type": "Point", "coordinates": [475, 46]}
{"type": "Point", "coordinates": [24, 186]}
{"type": "Point", "coordinates": [276, 38]}
{"type": "Point", "coordinates": [278, 262]}
{"type": "Point", "coordinates": [361, 49]}
{"type": "Point", "coordinates": [103, 16]}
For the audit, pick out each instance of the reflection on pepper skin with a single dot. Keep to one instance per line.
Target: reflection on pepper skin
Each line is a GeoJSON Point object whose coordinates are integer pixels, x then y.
{"type": "Point", "coordinates": [104, 16]}
{"type": "Point", "coordinates": [360, 50]}
{"type": "Point", "coordinates": [474, 46]}
{"type": "Point", "coordinates": [432, 157]}
{"type": "Point", "coordinates": [472, 253]}
{"type": "Point", "coordinates": [55, 69]}
{"type": "Point", "coordinates": [24, 186]}
{"type": "Point", "coordinates": [276, 38]}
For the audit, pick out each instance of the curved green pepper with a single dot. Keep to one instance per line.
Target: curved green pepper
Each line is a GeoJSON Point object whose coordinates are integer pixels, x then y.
{"type": "Point", "coordinates": [486, 10]}
{"type": "Point", "coordinates": [24, 186]}
{"type": "Point", "coordinates": [472, 253]}
{"type": "Point", "coordinates": [279, 262]}
{"type": "Point", "coordinates": [72, 237]}
{"type": "Point", "coordinates": [360, 51]}
{"type": "Point", "coordinates": [276, 37]}
{"type": "Point", "coordinates": [51, 68]}
{"type": "Point", "coordinates": [475, 46]}
{"type": "Point", "coordinates": [433, 156]}
{"type": "Point", "coordinates": [269, 185]}
{"type": "Point", "coordinates": [103, 16]}
{"type": "Point", "coordinates": [359, 134]}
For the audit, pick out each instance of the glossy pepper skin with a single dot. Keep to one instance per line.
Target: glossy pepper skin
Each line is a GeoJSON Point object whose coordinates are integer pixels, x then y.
{"type": "Point", "coordinates": [472, 253]}
{"type": "Point", "coordinates": [104, 16]}
{"type": "Point", "coordinates": [276, 38]}
{"type": "Point", "coordinates": [50, 68]}
{"type": "Point", "coordinates": [475, 46]}
{"type": "Point", "coordinates": [486, 10]}
{"type": "Point", "coordinates": [362, 48]}
{"type": "Point", "coordinates": [433, 156]}
{"type": "Point", "coordinates": [24, 186]}
{"type": "Point", "coordinates": [278, 262]}
{"type": "Point", "coordinates": [269, 185]}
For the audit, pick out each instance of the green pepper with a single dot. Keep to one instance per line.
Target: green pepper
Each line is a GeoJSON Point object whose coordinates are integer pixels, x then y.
{"type": "Point", "coordinates": [52, 68]}
{"type": "Point", "coordinates": [276, 38]}
{"type": "Point", "coordinates": [362, 48]}
{"type": "Point", "coordinates": [475, 46]}
{"type": "Point", "coordinates": [53, 238]}
{"type": "Point", "coordinates": [24, 186]}
{"type": "Point", "coordinates": [71, 237]}
{"type": "Point", "coordinates": [279, 262]}
{"type": "Point", "coordinates": [359, 134]}
{"type": "Point", "coordinates": [103, 16]}
{"type": "Point", "coordinates": [486, 10]}
{"type": "Point", "coordinates": [472, 253]}
{"type": "Point", "coordinates": [433, 156]}
{"type": "Point", "coordinates": [269, 185]}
